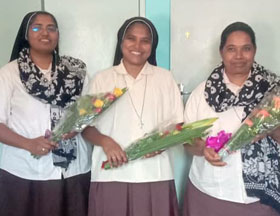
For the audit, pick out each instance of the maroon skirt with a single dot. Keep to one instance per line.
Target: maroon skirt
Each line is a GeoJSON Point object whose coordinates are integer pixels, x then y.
{"type": "Point", "coordinates": [64, 197]}
{"type": "Point", "coordinates": [133, 199]}
{"type": "Point", "coordinates": [197, 203]}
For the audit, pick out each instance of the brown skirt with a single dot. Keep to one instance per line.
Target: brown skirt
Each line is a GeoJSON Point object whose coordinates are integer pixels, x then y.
{"type": "Point", "coordinates": [197, 203]}
{"type": "Point", "coordinates": [65, 197]}
{"type": "Point", "coordinates": [133, 199]}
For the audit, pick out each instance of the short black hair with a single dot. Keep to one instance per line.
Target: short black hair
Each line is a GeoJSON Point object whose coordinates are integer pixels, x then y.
{"type": "Point", "coordinates": [237, 26]}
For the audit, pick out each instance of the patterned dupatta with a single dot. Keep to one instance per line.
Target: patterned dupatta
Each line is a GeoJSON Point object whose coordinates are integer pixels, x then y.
{"type": "Point", "coordinates": [64, 87]}
{"type": "Point", "coordinates": [261, 160]}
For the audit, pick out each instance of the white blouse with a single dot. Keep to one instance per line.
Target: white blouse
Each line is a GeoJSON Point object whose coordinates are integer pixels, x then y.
{"type": "Point", "coordinates": [225, 182]}
{"type": "Point", "coordinates": [30, 118]}
{"type": "Point", "coordinates": [161, 104]}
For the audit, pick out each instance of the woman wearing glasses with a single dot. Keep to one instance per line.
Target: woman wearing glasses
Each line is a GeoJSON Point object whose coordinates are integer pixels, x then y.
{"type": "Point", "coordinates": [38, 176]}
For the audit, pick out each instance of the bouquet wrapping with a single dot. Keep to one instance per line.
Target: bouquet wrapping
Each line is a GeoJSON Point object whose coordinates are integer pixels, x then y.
{"type": "Point", "coordinates": [83, 112]}
{"type": "Point", "coordinates": [162, 139]}
{"type": "Point", "coordinates": [262, 120]}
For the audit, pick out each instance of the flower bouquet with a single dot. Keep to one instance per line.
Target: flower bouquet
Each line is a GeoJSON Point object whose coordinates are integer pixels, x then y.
{"type": "Point", "coordinates": [162, 139]}
{"type": "Point", "coordinates": [263, 119]}
{"type": "Point", "coordinates": [83, 112]}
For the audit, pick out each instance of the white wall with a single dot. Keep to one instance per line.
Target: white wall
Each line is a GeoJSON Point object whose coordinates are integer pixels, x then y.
{"type": "Point", "coordinates": [11, 15]}
{"type": "Point", "coordinates": [193, 58]}
{"type": "Point", "coordinates": [88, 28]}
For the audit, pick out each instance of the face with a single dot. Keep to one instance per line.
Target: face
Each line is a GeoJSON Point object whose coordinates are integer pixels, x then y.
{"type": "Point", "coordinates": [43, 34]}
{"type": "Point", "coordinates": [136, 45]}
{"type": "Point", "coordinates": [238, 53]}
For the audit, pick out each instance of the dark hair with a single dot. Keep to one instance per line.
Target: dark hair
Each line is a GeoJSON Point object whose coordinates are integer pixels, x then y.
{"type": "Point", "coordinates": [21, 38]}
{"type": "Point", "coordinates": [122, 31]}
{"type": "Point", "coordinates": [237, 26]}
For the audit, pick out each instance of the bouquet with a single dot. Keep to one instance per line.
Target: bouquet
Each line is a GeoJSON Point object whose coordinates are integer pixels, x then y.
{"type": "Point", "coordinates": [162, 139]}
{"type": "Point", "coordinates": [263, 119]}
{"type": "Point", "coordinates": [83, 112]}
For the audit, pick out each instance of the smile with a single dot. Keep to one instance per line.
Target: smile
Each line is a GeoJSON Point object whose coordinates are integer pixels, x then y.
{"type": "Point", "coordinates": [135, 53]}
{"type": "Point", "coordinates": [45, 40]}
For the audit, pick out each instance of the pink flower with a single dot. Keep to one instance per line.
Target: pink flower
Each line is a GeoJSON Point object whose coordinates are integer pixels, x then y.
{"type": "Point", "coordinates": [110, 96]}
{"type": "Point", "coordinates": [217, 142]}
{"type": "Point", "coordinates": [98, 110]}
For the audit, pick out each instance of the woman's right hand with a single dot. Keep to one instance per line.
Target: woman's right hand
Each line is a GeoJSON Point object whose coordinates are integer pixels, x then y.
{"type": "Point", "coordinates": [40, 146]}
{"type": "Point", "coordinates": [115, 155]}
{"type": "Point", "coordinates": [212, 157]}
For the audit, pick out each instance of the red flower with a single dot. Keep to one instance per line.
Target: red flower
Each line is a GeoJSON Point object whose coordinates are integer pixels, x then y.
{"type": "Point", "coordinates": [179, 126]}
{"type": "Point", "coordinates": [263, 113]}
{"type": "Point", "coordinates": [104, 164]}
{"type": "Point", "coordinates": [248, 122]}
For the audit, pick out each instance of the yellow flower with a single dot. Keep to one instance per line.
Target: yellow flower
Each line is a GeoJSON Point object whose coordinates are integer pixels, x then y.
{"type": "Point", "coordinates": [98, 103]}
{"type": "Point", "coordinates": [118, 92]}
{"type": "Point", "coordinates": [175, 132]}
{"type": "Point", "coordinates": [82, 111]}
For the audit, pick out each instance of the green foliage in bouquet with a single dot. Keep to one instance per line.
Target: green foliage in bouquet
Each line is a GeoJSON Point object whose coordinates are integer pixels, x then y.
{"type": "Point", "coordinates": [83, 112]}
{"type": "Point", "coordinates": [163, 139]}
{"type": "Point", "coordinates": [263, 119]}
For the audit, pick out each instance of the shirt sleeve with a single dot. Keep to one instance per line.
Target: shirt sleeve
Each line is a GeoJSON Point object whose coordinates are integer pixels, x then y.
{"type": "Point", "coordinates": [178, 103]}
{"type": "Point", "coordinates": [86, 85]}
{"type": "Point", "coordinates": [6, 89]}
{"type": "Point", "coordinates": [94, 85]}
{"type": "Point", "coordinates": [191, 108]}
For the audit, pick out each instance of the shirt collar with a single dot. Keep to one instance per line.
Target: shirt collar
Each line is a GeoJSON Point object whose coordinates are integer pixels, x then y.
{"type": "Point", "coordinates": [233, 87]}
{"type": "Point", "coordinates": [146, 70]}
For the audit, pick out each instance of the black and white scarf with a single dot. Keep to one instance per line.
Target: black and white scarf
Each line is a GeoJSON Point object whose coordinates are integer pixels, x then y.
{"type": "Point", "coordinates": [220, 98]}
{"type": "Point", "coordinates": [261, 160]}
{"type": "Point", "coordinates": [64, 87]}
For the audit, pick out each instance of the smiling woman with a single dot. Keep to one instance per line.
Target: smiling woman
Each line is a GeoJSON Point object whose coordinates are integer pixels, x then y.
{"type": "Point", "coordinates": [231, 92]}
{"type": "Point", "coordinates": [36, 87]}
{"type": "Point", "coordinates": [42, 36]}
{"type": "Point", "coordinates": [146, 186]}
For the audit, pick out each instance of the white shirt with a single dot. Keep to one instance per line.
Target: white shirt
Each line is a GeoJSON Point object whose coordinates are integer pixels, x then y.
{"type": "Point", "coordinates": [30, 118]}
{"type": "Point", "coordinates": [162, 102]}
{"type": "Point", "coordinates": [226, 182]}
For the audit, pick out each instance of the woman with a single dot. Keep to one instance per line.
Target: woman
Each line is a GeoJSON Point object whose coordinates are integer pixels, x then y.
{"type": "Point", "coordinates": [141, 187]}
{"type": "Point", "coordinates": [230, 93]}
{"type": "Point", "coordinates": [37, 176]}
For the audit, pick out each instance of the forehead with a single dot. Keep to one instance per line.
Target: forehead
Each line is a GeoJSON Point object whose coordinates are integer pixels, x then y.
{"type": "Point", "coordinates": [138, 27]}
{"type": "Point", "coordinates": [43, 19]}
{"type": "Point", "coordinates": [238, 38]}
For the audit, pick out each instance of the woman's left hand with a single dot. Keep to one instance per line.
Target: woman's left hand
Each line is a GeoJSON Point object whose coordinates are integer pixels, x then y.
{"type": "Point", "coordinates": [212, 157]}
{"type": "Point", "coordinates": [275, 134]}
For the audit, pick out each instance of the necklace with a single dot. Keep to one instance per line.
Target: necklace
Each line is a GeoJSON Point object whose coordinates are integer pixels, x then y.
{"type": "Point", "coordinates": [236, 113]}
{"type": "Point", "coordinates": [139, 116]}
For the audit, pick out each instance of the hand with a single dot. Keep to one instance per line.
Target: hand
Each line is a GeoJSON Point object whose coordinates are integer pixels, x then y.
{"type": "Point", "coordinates": [40, 146]}
{"type": "Point", "coordinates": [212, 157]}
{"type": "Point", "coordinates": [196, 148]}
{"type": "Point", "coordinates": [275, 134]}
{"type": "Point", "coordinates": [69, 135]}
{"type": "Point", "coordinates": [152, 154]}
{"type": "Point", "coordinates": [115, 155]}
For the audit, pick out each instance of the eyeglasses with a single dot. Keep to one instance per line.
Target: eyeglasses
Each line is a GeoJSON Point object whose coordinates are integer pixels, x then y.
{"type": "Point", "coordinates": [49, 28]}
